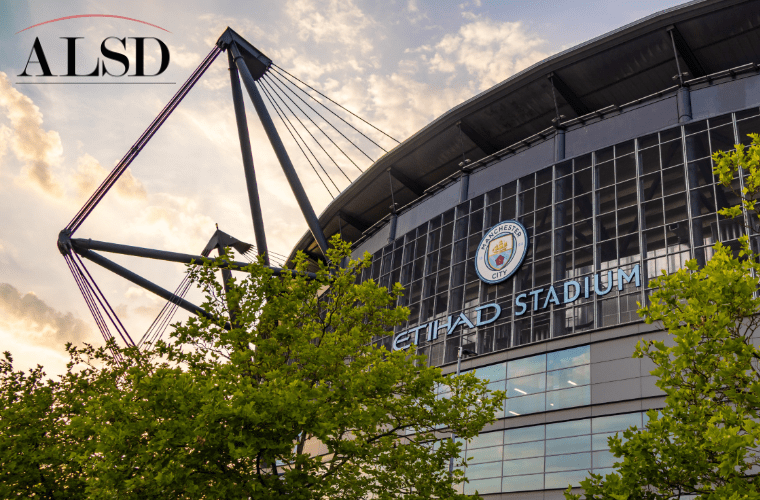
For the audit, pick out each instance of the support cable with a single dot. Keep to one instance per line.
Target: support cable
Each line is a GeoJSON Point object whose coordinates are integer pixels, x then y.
{"type": "Point", "coordinates": [276, 107]}
{"type": "Point", "coordinates": [292, 129]}
{"type": "Point", "coordinates": [328, 122]}
{"type": "Point", "coordinates": [166, 314]}
{"type": "Point", "coordinates": [114, 175]}
{"type": "Point", "coordinates": [85, 295]}
{"type": "Point", "coordinates": [102, 325]}
{"type": "Point", "coordinates": [275, 93]}
{"type": "Point", "coordinates": [159, 320]}
{"type": "Point", "coordinates": [307, 130]}
{"type": "Point", "coordinates": [277, 68]}
{"type": "Point", "coordinates": [110, 313]}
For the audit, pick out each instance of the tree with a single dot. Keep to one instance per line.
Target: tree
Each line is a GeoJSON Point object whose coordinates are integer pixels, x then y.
{"type": "Point", "coordinates": [705, 440]}
{"type": "Point", "coordinates": [280, 392]}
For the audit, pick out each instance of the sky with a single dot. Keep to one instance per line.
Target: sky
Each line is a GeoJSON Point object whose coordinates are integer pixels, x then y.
{"type": "Point", "coordinates": [398, 64]}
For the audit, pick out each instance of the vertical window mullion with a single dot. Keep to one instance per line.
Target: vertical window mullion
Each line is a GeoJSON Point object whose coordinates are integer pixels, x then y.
{"type": "Point", "coordinates": [518, 185]}
{"type": "Point", "coordinates": [594, 236]}
{"type": "Point", "coordinates": [640, 210]}
{"type": "Point", "coordinates": [692, 252]}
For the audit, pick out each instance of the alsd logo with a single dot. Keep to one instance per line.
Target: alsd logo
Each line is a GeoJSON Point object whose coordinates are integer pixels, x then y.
{"type": "Point", "coordinates": [115, 54]}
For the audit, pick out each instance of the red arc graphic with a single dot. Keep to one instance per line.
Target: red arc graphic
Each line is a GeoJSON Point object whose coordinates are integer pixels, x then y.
{"type": "Point", "coordinates": [92, 15]}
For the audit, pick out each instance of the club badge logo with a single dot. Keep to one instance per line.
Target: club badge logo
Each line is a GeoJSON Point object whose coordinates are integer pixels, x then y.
{"type": "Point", "coordinates": [501, 251]}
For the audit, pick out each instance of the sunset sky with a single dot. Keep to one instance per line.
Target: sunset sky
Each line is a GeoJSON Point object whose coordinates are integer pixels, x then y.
{"type": "Point", "coordinates": [399, 64]}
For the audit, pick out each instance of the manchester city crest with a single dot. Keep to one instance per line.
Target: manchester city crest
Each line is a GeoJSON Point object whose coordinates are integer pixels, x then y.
{"type": "Point", "coordinates": [501, 251]}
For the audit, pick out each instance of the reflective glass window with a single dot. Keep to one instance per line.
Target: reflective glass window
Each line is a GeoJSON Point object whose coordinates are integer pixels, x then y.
{"type": "Point", "coordinates": [526, 404]}
{"type": "Point", "coordinates": [564, 479]}
{"type": "Point", "coordinates": [615, 422]}
{"type": "Point", "coordinates": [485, 440]}
{"type": "Point", "coordinates": [523, 386]}
{"type": "Point", "coordinates": [569, 357]}
{"type": "Point", "coordinates": [568, 445]}
{"type": "Point", "coordinates": [523, 434]}
{"type": "Point", "coordinates": [482, 455]}
{"type": "Point", "coordinates": [523, 483]}
{"type": "Point", "coordinates": [565, 429]}
{"type": "Point", "coordinates": [526, 366]}
{"type": "Point", "coordinates": [568, 378]}
{"type": "Point", "coordinates": [568, 398]}
{"type": "Point", "coordinates": [492, 373]}
{"type": "Point", "coordinates": [492, 469]}
{"type": "Point", "coordinates": [524, 466]}
{"type": "Point", "coordinates": [524, 450]}
{"type": "Point", "coordinates": [575, 461]}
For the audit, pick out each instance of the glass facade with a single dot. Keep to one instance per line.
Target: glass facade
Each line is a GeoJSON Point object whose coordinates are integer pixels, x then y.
{"type": "Point", "coordinates": [540, 383]}
{"type": "Point", "coordinates": [651, 201]}
{"type": "Point", "coordinates": [539, 457]}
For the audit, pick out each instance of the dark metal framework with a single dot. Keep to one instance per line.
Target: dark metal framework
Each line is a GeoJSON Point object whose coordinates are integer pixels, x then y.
{"type": "Point", "coordinates": [246, 63]}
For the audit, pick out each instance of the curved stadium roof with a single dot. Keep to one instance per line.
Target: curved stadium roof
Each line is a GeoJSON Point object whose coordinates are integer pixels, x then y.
{"type": "Point", "coordinates": [600, 76]}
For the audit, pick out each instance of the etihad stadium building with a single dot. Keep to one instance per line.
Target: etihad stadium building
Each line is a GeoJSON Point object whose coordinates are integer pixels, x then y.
{"type": "Point", "coordinates": [527, 223]}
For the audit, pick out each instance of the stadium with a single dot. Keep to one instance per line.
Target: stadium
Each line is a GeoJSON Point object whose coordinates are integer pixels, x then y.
{"type": "Point", "coordinates": [601, 153]}
{"type": "Point", "coordinates": [526, 225]}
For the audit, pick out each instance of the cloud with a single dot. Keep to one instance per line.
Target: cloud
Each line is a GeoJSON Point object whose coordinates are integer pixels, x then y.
{"type": "Point", "coordinates": [40, 150]}
{"type": "Point", "coordinates": [90, 174]}
{"type": "Point", "coordinates": [184, 59]}
{"type": "Point", "coordinates": [488, 50]}
{"type": "Point", "coordinates": [28, 316]}
{"type": "Point", "coordinates": [333, 21]}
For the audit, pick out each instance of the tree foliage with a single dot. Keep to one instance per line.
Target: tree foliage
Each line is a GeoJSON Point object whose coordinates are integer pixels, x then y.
{"type": "Point", "coordinates": [705, 441]}
{"type": "Point", "coordinates": [280, 392]}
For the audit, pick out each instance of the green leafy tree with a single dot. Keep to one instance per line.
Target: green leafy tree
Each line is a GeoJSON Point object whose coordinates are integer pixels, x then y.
{"type": "Point", "coordinates": [705, 441]}
{"type": "Point", "coordinates": [279, 393]}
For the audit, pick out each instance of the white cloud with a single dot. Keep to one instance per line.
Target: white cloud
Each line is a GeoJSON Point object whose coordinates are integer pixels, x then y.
{"type": "Point", "coordinates": [38, 149]}
{"type": "Point", "coordinates": [90, 174]}
{"type": "Point", "coordinates": [332, 21]}
{"type": "Point", "coordinates": [488, 50]}
{"type": "Point", "coordinates": [33, 319]}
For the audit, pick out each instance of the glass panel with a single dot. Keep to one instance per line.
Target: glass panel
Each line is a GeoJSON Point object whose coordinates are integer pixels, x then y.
{"type": "Point", "coordinates": [616, 422]}
{"type": "Point", "coordinates": [568, 398]}
{"type": "Point", "coordinates": [568, 357]}
{"type": "Point", "coordinates": [482, 455]}
{"type": "Point", "coordinates": [697, 146]}
{"type": "Point", "coordinates": [525, 405]}
{"type": "Point", "coordinates": [563, 479]}
{"type": "Point", "coordinates": [568, 445]}
{"type": "Point", "coordinates": [672, 154]}
{"type": "Point", "coordinates": [625, 168]}
{"type": "Point", "coordinates": [492, 373]}
{"type": "Point", "coordinates": [569, 377]}
{"type": "Point", "coordinates": [568, 462]}
{"type": "Point", "coordinates": [565, 429]}
{"type": "Point", "coordinates": [603, 459]}
{"type": "Point", "coordinates": [522, 435]}
{"type": "Point", "coordinates": [492, 469]}
{"type": "Point", "coordinates": [523, 483]}
{"type": "Point", "coordinates": [485, 440]}
{"type": "Point", "coordinates": [524, 450]}
{"type": "Point", "coordinates": [526, 366]}
{"type": "Point", "coordinates": [483, 486]}
{"type": "Point", "coordinates": [524, 466]}
{"type": "Point", "coordinates": [599, 441]}
{"type": "Point", "coordinates": [649, 160]}
{"type": "Point", "coordinates": [522, 386]}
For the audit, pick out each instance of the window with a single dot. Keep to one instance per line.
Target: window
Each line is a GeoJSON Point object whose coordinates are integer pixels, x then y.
{"type": "Point", "coordinates": [544, 456]}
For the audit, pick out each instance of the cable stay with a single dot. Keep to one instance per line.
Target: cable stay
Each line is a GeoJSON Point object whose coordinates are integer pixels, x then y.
{"type": "Point", "coordinates": [281, 70]}
{"type": "Point", "coordinates": [288, 126]}
{"type": "Point", "coordinates": [266, 83]}
{"type": "Point", "coordinates": [267, 80]}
